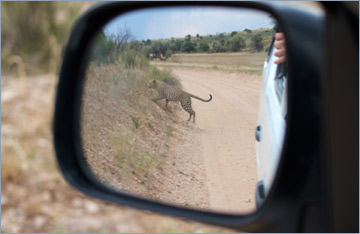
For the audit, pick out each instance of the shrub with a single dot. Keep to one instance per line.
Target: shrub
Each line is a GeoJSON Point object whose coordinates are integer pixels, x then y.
{"type": "Point", "coordinates": [237, 43]}
{"type": "Point", "coordinates": [134, 59]}
{"type": "Point", "coordinates": [165, 76]}
{"type": "Point", "coordinates": [102, 49]}
{"type": "Point", "coordinates": [204, 47]}
{"type": "Point", "coordinates": [257, 43]}
{"type": "Point", "coordinates": [188, 47]}
{"type": "Point", "coordinates": [217, 47]}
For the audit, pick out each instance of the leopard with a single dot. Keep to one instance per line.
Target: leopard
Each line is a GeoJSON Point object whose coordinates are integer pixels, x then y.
{"type": "Point", "coordinates": [172, 93]}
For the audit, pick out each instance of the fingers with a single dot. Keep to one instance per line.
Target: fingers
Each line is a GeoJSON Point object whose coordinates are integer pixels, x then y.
{"type": "Point", "coordinates": [280, 60]}
{"type": "Point", "coordinates": [281, 48]}
{"type": "Point", "coordinates": [279, 44]}
{"type": "Point", "coordinates": [280, 53]}
{"type": "Point", "coordinates": [279, 36]}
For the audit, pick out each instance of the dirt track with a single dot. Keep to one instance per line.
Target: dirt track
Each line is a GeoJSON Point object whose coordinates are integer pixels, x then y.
{"type": "Point", "coordinates": [222, 139]}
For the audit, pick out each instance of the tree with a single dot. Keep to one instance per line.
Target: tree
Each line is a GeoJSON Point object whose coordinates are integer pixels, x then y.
{"type": "Point", "coordinates": [136, 45]}
{"type": "Point", "coordinates": [188, 47]}
{"type": "Point", "coordinates": [178, 45]}
{"type": "Point", "coordinates": [257, 43]}
{"type": "Point", "coordinates": [188, 37]}
{"type": "Point", "coordinates": [233, 33]}
{"type": "Point", "coordinates": [204, 47]}
{"type": "Point", "coordinates": [122, 38]}
{"type": "Point", "coordinates": [217, 47]}
{"type": "Point", "coordinates": [168, 53]}
{"type": "Point", "coordinates": [147, 42]}
{"type": "Point", "coordinates": [159, 50]}
{"type": "Point", "coordinates": [102, 49]}
{"type": "Point", "coordinates": [247, 30]}
{"type": "Point", "coordinates": [237, 43]}
{"type": "Point", "coordinates": [222, 41]}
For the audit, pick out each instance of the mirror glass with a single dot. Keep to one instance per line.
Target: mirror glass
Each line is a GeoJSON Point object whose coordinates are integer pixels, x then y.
{"type": "Point", "coordinates": [174, 101]}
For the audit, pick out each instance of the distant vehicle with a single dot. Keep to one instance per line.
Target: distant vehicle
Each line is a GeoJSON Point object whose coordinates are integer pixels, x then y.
{"type": "Point", "coordinates": [271, 127]}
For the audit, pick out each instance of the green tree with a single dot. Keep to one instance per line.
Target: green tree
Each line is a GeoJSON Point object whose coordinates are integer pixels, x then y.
{"type": "Point", "coordinates": [178, 45]}
{"type": "Point", "coordinates": [237, 43]}
{"type": "Point", "coordinates": [204, 47]}
{"type": "Point", "coordinates": [233, 33]}
{"type": "Point", "coordinates": [103, 48]}
{"type": "Point", "coordinates": [217, 47]}
{"type": "Point", "coordinates": [247, 30]}
{"type": "Point", "coordinates": [156, 48]}
{"type": "Point", "coordinates": [257, 43]}
{"type": "Point", "coordinates": [188, 47]}
{"type": "Point", "coordinates": [159, 50]}
{"type": "Point", "coordinates": [147, 42]}
{"type": "Point", "coordinates": [168, 53]}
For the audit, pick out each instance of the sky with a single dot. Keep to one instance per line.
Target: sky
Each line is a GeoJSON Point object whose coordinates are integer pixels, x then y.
{"type": "Point", "coordinates": [162, 23]}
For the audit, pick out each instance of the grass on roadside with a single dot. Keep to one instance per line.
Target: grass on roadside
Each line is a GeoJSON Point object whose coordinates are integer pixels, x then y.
{"type": "Point", "coordinates": [118, 111]}
{"type": "Point", "coordinates": [250, 63]}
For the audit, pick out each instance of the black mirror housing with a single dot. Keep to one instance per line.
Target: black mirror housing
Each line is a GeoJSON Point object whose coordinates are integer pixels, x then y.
{"type": "Point", "coordinates": [295, 202]}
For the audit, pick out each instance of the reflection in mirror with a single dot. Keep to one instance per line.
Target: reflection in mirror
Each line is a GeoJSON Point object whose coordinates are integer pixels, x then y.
{"type": "Point", "coordinates": [151, 71]}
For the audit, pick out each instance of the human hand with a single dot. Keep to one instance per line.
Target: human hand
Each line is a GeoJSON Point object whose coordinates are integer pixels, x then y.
{"type": "Point", "coordinates": [281, 48]}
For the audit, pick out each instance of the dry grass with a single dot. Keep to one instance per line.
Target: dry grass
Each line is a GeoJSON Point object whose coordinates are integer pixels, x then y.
{"type": "Point", "coordinates": [118, 112]}
{"type": "Point", "coordinates": [250, 63]}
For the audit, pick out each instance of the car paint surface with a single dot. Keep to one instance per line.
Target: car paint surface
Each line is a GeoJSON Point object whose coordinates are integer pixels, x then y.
{"type": "Point", "coordinates": [272, 123]}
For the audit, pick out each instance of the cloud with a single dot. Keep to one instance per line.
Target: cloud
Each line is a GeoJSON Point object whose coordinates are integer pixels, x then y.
{"type": "Point", "coordinates": [181, 21]}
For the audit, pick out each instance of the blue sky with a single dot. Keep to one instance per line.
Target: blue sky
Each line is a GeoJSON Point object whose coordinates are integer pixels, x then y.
{"type": "Point", "coordinates": [175, 22]}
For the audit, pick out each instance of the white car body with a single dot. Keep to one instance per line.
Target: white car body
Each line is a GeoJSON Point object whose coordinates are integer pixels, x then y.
{"type": "Point", "coordinates": [271, 124]}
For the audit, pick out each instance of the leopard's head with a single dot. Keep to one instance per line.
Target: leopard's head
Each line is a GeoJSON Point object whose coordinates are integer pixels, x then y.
{"type": "Point", "coordinates": [153, 84]}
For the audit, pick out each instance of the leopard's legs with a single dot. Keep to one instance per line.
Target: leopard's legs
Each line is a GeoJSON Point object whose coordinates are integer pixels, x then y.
{"type": "Point", "coordinates": [166, 104]}
{"type": "Point", "coordinates": [186, 105]}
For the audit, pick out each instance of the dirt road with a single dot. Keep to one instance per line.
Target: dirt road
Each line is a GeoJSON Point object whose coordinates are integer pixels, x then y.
{"type": "Point", "coordinates": [224, 137]}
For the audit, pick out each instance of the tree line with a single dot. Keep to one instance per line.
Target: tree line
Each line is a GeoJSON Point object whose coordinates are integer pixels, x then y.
{"type": "Point", "coordinates": [247, 40]}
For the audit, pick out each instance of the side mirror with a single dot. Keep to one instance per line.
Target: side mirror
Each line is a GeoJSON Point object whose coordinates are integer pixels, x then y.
{"type": "Point", "coordinates": [99, 157]}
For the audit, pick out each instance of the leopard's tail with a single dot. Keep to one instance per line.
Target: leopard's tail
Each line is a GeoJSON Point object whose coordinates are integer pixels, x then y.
{"type": "Point", "coordinates": [193, 96]}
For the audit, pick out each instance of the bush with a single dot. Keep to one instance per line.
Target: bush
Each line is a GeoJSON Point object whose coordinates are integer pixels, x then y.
{"type": "Point", "coordinates": [237, 43]}
{"type": "Point", "coordinates": [233, 33]}
{"type": "Point", "coordinates": [102, 49]}
{"type": "Point", "coordinates": [33, 32]}
{"type": "Point", "coordinates": [165, 76]}
{"type": "Point", "coordinates": [204, 47]}
{"type": "Point", "coordinates": [168, 53]}
{"type": "Point", "coordinates": [247, 30]}
{"type": "Point", "coordinates": [257, 43]}
{"type": "Point", "coordinates": [133, 59]}
{"type": "Point", "coordinates": [218, 48]}
{"type": "Point", "coordinates": [159, 50]}
{"type": "Point", "coordinates": [188, 47]}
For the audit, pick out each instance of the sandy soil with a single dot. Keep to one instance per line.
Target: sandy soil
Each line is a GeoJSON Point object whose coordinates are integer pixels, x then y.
{"type": "Point", "coordinates": [216, 157]}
